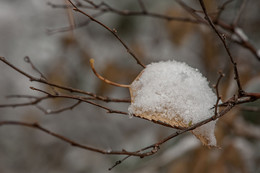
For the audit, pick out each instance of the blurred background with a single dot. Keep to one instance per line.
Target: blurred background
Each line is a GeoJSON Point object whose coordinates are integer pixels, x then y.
{"type": "Point", "coordinates": [41, 31]}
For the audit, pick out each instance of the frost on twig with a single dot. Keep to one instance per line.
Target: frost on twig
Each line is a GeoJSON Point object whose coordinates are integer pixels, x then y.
{"type": "Point", "coordinates": [175, 93]}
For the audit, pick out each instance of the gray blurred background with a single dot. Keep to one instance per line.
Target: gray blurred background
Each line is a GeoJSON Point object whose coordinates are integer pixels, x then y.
{"type": "Point", "coordinates": [33, 28]}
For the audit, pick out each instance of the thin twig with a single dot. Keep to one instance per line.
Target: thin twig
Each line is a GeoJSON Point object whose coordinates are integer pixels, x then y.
{"type": "Point", "coordinates": [104, 79]}
{"type": "Point", "coordinates": [191, 11]}
{"type": "Point", "coordinates": [65, 139]}
{"type": "Point", "coordinates": [70, 17]}
{"type": "Point", "coordinates": [113, 31]}
{"type": "Point", "coordinates": [143, 8]}
{"type": "Point", "coordinates": [48, 111]}
{"type": "Point", "coordinates": [79, 25]}
{"type": "Point", "coordinates": [222, 8]}
{"type": "Point", "coordinates": [240, 11]}
{"type": "Point", "coordinates": [30, 103]}
{"type": "Point", "coordinates": [80, 99]}
{"type": "Point", "coordinates": [156, 146]}
{"type": "Point", "coordinates": [109, 110]}
{"type": "Point", "coordinates": [250, 108]}
{"type": "Point", "coordinates": [40, 80]}
{"type": "Point", "coordinates": [222, 38]}
{"type": "Point", "coordinates": [28, 60]}
{"type": "Point", "coordinates": [104, 8]}
{"type": "Point", "coordinates": [221, 75]}
{"type": "Point", "coordinates": [139, 153]}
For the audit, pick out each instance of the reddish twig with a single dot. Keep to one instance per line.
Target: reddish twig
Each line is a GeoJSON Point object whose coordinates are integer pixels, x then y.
{"type": "Point", "coordinates": [104, 79]}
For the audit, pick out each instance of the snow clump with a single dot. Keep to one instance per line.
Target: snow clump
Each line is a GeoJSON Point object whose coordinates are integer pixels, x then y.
{"type": "Point", "coordinates": [177, 94]}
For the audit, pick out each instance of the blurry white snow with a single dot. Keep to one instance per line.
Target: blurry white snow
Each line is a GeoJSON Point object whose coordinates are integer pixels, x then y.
{"type": "Point", "coordinates": [240, 35]}
{"type": "Point", "coordinates": [246, 152]}
{"type": "Point", "coordinates": [185, 145]}
{"type": "Point", "coordinates": [175, 91]}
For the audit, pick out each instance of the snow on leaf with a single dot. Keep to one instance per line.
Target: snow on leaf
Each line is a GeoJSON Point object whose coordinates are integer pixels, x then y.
{"type": "Point", "coordinates": [177, 94]}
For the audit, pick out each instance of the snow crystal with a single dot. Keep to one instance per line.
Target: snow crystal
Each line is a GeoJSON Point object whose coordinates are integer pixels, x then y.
{"type": "Point", "coordinates": [174, 91]}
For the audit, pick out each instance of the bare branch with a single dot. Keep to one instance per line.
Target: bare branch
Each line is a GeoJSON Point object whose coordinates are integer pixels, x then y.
{"type": "Point", "coordinates": [139, 153]}
{"type": "Point", "coordinates": [28, 60]}
{"type": "Point", "coordinates": [65, 139]}
{"type": "Point", "coordinates": [49, 111]}
{"type": "Point", "coordinates": [230, 28]}
{"type": "Point", "coordinates": [241, 9]}
{"type": "Point", "coordinates": [113, 31]}
{"type": "Point", "coordinates": [250, 108]}
{"type": "Point", "coordinates": [222, 8]}
{"type": "Point", "coordinates": [143, 8]}
{"type": "Point", "coordinates": [79, 25]}
{"type": "Point", "coordinates": [221, 75]}
{"type": "Point", "coordinates": [36, 101]}
{"type": "Point", "coordinates": [70, 16]}
{"type": "Point", "coordinates": [43, 81]}
{"type": "Point", "coordinates": [215, 23]}
{"type": "Point", "coordinates": [104, 79]}
{"type": "Point", "coordinates": [222, 38]}
{"type": "Point", "coordinates": [79, 98]}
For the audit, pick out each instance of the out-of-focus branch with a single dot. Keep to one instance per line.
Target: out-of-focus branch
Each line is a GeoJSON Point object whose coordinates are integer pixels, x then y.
{"type": "Point", "coordinates": [230, 28]}
{"type": "Point", "coordinates": [104, 7]}
{"type": "Point", "coordinates": [222, 8]}
{"type": "Point", "coordinates": [70, 17]}
{"type": "Point", "coordinates": [239, 13]}
{"type": "Point", "coordinates": [76, 25]}
{"type": "Point", "coordinates": [49, 111]}
{"type": "Point", "coordinates": [142, 6]}
{"type": "Point", "coordinates": [250, 108]}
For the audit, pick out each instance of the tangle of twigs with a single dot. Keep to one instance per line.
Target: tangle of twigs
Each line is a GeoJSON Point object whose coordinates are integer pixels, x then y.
{"type": "Point", "coordinates": [82, 96]}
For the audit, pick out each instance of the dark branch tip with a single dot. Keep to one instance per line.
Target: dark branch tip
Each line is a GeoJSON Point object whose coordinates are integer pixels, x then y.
{"type": "Point", "coordinates": [27, 59]}
{"type": "Point", "coordinates": [35, 124]}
